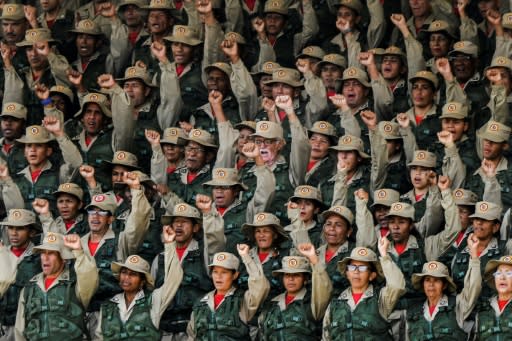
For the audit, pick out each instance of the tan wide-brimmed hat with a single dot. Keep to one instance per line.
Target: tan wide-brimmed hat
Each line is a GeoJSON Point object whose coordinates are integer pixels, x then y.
{"type": "Point", "coordinates": [389, 130]}
{"type": "Point", "coordinates": [36, 134]}
{"type": "Point", "coordinates": [266, 69]}
{"type": "Point", "coordinates": [184, 34]}
{"type": "Point", "coordinates": [287, 76]}
{"type": "Point", "coordinates": [293, 265]}
{"type": "Point", "coordinates": [426, 75]}
{"type": "Point", "coordinates": [15, 110]}
{"type": "Point", "coordinates": [225, 260]}
{"type": "Point", "coordinates": [307, 192]}
{"type": "Point", "coordinates": [464, 197]}
{"type": "Point", "coordinates": [350, 142]}
{"type": "Point", "coordinates": [202, 137]}
{"type": "Point", "coordinates": [324, 128]}
{"type": "Point", "coordinates": [174, 136]}
{"type": "Point", "coordinates": [236, 37]}
{"type": "Point", "coordinates": [137, 72]}
{"type": "Point", "coordinates": [251, 125]}
{"type": "Point", "coordinates": [441, 26]}
{"type": "Point", "coordinates": [340, 211]}
{"type": "Point", "coordinates": [224, 67]}
{"type": "Point", "coordinates": [433, 269]}
{"type": "Point", "coordinates": [492, 265]}
{"type": "Point", "coordinates": [487, 210]}
{"type": "Point", "coordinates": [182, 210]}
{"type": "Point", "coordinates": [495, 131]}
{"type": "Point", "coordinates": [100, 99]}
{"type": "Point", "coordinates": [87, 26]}
{"type": "Point", "coordinates": [385, 197]}
{"type": "Point", "coordinates": [454, 110]}
{"type": "Point", "coordinates": [225, 177]}
{"type": "Point", "coordinates": [269, 130]}
{"type": "Point", "coordinates": [464, 47]}
{"type": "Point", "coordinates": [36, 35]}
{"type": "Point", "coordinates": [358, 74]}
{"type": "Point", "coordinates": [264, 219]}
{"type": "Point", "coordinates": [123, 158]}
{"type": "Point", "coordinates": [334, 59]}
{"type": "Point", "coordinates": [104, 201]}
{"type": "Point", "coordinates": [276, 6]}
{"type": "Point", "coordinates": [312, 51]}
{"type": "Point", "coordinates": [54, 242]}
{"type": "Point", "coordinates": [423, 158]}
{"type": "Point", "coordinates": [64, 90]}
{"type": "Point", "coordinates": [21, 217]}
{"type": "Point", "coordinates": [13, 12]}
{"type": "Point", "coordinates": [401, 209]}
{"type": "Point", "coordinates": [361, 254]}
{"type": "Point", "coordinates": [70, 188]}
{"type": "Point", "coordinates": [500, 61]}
{"type": "Point", "coordinates": [135, 263]}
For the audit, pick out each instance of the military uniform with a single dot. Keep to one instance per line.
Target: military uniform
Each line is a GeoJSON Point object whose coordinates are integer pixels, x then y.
{"type": "Point", "coordinates": [13, 154]}
{"type": "Point", "coordinates": [60, 27]}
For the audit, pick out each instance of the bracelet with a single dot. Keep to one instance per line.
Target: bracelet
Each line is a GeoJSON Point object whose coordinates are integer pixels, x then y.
{"type": "Point", "coordinates": [46, 101]}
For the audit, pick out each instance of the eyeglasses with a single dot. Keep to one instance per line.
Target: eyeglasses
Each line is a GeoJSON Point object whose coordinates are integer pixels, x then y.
{"type": "Point", "coordinates": [462, 58]}
{"type": "Point", "coordinates": [360, 268]}
{"type": "Point", "coordinates": [507, 274]}
{"type": "Point", "coordinates": [100, 213]}
{"type": "Point", "coordinates": [267, 142]}
{"type": "Point", "coordinates": [194, 150]}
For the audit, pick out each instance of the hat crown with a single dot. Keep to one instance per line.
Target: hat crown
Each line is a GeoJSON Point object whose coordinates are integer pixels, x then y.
{"type": "Point", "coordinates": [323, 127]}
{"type": "Point", "coordinates": [227, 174]}
{"type": "Point", "coordinates": [63, 90]}
{"type": "Point", "coordinates": [341, 211]}
{"type": "Point", "coordinates": [161, 4]}
{"type": "Point", "coordinates": [137, 72]}
{"type": "Point", "coordinates": [307, 192]}
{"type": "Point", "coordinates": [275, 5]}
{"type": "Point", "coordinates": [286, 74]}
{"type": "Point", "coordinates": [12, 12]}
{"type": "Point", "coordinates": [401, 209]}
{"type": "Point", "coordinates": [464, 197]}
{"type": "Point", "coordinates": [363, 254]}
{"type": "Point", "coordinates": [37, 132]}
{"type": "Point", "coordinates": [423, 158]}
{"type": "Point", "coordinates": [313, 51]}
{"type": "Point", "coordinates": [295, 264]}
{"type": "Point", "coordinates": [186, 210]}
{"type": "Point", "coordinates": [355, 73]}
{"type": "Point", "coordinates": [104, 201]}
{"type": "Point", "coordinates": [201, 136]}
{"type": "Point", "coordinates": [455, 110]}
{"type": "Point", "coordinates": [435, 269]}
{"type": "Point", "coordinates": [269, 67]}
{"type": "Point", "coordinates": [336, 59]}
{"type": "Point", "coordinates": [37, 35]}
{"type": "Point", "coordinates": [385, 196]}
{"type": "Point", "coordinates": [14, 109]}
{"type": "Point", "coordinates": [71, 188]}
{"type": "Point", "coordinates": [184, 32]}
{"type": "Point", "coordinates": [125, 158]}
{"type": "Point", "coordinates": [269, 129]}
{"type": "Point", "coordinates": [88, 25]}
{"type": "Point", "coordinates": [226, 260]}
{"type": "Point", "coordinates": [21, 217]}
{"type": "Point", "coordinates": [465, 47]}
{"type": "Point", "coordinates": [351, 141]}
{"type": "Point", "coordinates": [137, 263]}
{"type": "Point", "coordinates": [95, 97]}
{"type": "Point", "coordinates": [265, 218]}
{"type": "Point", "coordinates": [173, 134]}
{"type": "Point", "coordinates": [389, 129]}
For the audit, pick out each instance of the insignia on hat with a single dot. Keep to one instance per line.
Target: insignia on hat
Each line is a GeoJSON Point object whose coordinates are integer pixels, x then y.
{"type": "Point", "coordinates": [99, 198]}
{"type": "Point", "coordinates": [66, 186]}
{"type": "Point", "coordinates": [381, 194]}
{"type": "Point", "coordinates": [221, 173]}
{"type": "Point", "coordinates": [9, 9]}
{"type": "Point", "coordinates": [181, 30]}
{"type": "Point", "coordinates": [322, 126]}
{"type": "Point", "coordinates": [397, 207]}
{"type": "Point", "coordinates": [32, 33]}
{"type": "Point", "coordinates": [346, 140]}
{"type": "Point", "coordinates": [292, 263]}
{"type": "Point", "coordinates": [264, 126]}
{"type": "Point", "coordinates": [351, 72]}
{"type": "Point", "coordinates": [268, 66]}
{"type": "Point", "coordinates": [196, 133]}
{"type": "Point", "coordinates": [181, 208]}
{"type": "Point", "coordinates": [281, 73]}
{"type": "Point", "coordinates": [221, 257]}
{"type": "Point", "coordinates": [437, 24]}
{"type": "Point", "coordinates": [275, 4]}
{"type": "Point", "coordinates": [52, 238]}
{"type": "Point", "coordinates": [362, 252]}
{"type": "Point", "coordinates": [308, 49]}
{"type": "Point", "coordinates": [501, 60]}
{"type": "Point", "coordinates": [421, 156]}
{"type": "Point", "coordinates": [173, 132]}
{"type": "Point", "coordinates": [388, 128]}
{"type": "Point", "coordinates": [458, 194]}
{"type": "Point", "coordinates": [121, 156]}
{"type": "Point", "coordinates": [507, 259]}
{"type": "Point", "coordinates": [93, 97]}
{"type": "Point", "coordinates": [158, 2]}
{"type": "Point", "coordinates": [231, 36]}
{"type": "Point", "coordinates": [493, 127]}
{"type": "Point", "coordinates": [133, 259]}
{"type": "Point", "coordinates": [16, 215]}
{"type": "Point", "coordinates": [131, 71]}
{"type": "Point", "coordinates": [34, 130]}
{"type": "Point", "coordinates": [509, 17]}
{"type": "Point", "coordinates": [330, 57]}
{"type": "Point", "coordinates": [305, 190]}
{"type": "Point", "coordinates": [459, 45]}
{"type": "Point", "coordinates": [87, 23]}
{"type": "Point", "coordinates": [432, 266]}
{"type": "Point", "coordinates": [261, 217]}
{"type": "Point", "coordinates": [10, 108]}
{"type": "Point", "coordinates": [337, 209]}
{"type": "Point", "coordinates": [451, 107]}
{"type": "Point", "coordinates": [484, 207]}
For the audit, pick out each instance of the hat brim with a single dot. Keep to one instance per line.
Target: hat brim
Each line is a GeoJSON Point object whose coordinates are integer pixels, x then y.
{"type": "Point", "coordinates": [183, 40]}
{"type": "Point", "coordinates": [483, 216]}
{"type": "Point", "coordinates": [25, 43]}
{"type": "Point", "coordinates": [491, 137]}
{"type": "Point", "coordinates": [417, 280]}
{"type": "Point", "coordinates": [202, 143]}
{"type": "Point", "coordinates": [64, 252]}
{"type": "Point", "coordinates": [325, 62]}
{"type": "Point", "coordinates": [91, 33]}
{"type": "Point", "coordinates": [348, 149]}
{"type": "Point", "coordinates": [248, 229]}
{"type": "Point", "coordinates": [297, 84]}
{"type": "Point", "coordinates": [106, 111]}
{"type": "Point", "coordinates": [110, 164]}
{"type": "Point", "coordinates": [180, 142]}
{"type": "Point", "coordinates": [342, 265]}
{"type": "Point", "coordinates": [167, 219]}
{"type": "Point", "coordinates": [116, 269]}
{"type": "Point", "coordinates": [413, 79]}
{"type": "Point", "coordinates": [225, 183]}
{"type": "Point", "coordinates": [35, 226]}
{"type": "Point", "coordinates": [327, 214]}
{"type": "Point", "coordinates": [364, 82]}
{"type": "Point", "coordinates": [402, 215]}
{"type": "Point", "coordinates": [421, 164]}
{"type": "Point", "coordinates": [26, 140]}
{"type": "Point", "coordinates": [321, 205]}
{"type": "Point", "coordinates": [147, 83]}
{"type": "Point", "coordinates": [56, 193]}
{"type": "Point", "coordinates": [290, 271]}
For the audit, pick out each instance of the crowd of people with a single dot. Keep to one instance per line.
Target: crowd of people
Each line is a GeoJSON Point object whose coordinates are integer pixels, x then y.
{"type": "Point", "coordinates": [255, 170]}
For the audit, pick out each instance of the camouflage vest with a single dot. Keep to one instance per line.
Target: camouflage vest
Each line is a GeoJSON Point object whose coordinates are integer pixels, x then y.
{"type": "Point", "coordinates": [222, 324]}
{"type": "Point", "coordinates": [188, 192]}
{"type": "Point", "coordinates": [27, 268]}
{"type": "Point", "coordinates": [203, 120]}
{"type": "Point", "coordinates": [193, 91]}
{"type": "Point", "coordinates": [143, 151]}
{"type": "Point", "coordinates": [426, 131]}
{"type": "Point", "coordinates": [294, 323]}
{"type": "Point", "coordinates": [53, 315]}
{"type": "Point", "coordinates": [16, 159]}
{"type": "Point", "coordinates": [443, 327]}
{"type": "Point", "coordinates": [139, 325]}
{"type": "Point", "coordinates": [339, 282]}
{"type": "Point", "coordinates": [95, 68]}
{"type": "Point", "coordinates": [234, 218]}
{"type": "Point", "coordinates": [504, 178]}
{"type": "Point", "coordinates": [325, 170]}
{"type": "Point", "coordinates": [195, 284]}
{"type": "Point", "coordinates": [364, 323]}
{"type": "Point", "coordinates": [395, 178]}
{"type": "Point", "coordinates": [47, 183]}
{"type": "Point", "coordinates": [492, 327]}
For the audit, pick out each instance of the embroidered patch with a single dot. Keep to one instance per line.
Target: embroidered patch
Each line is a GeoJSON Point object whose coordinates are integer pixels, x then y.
{"type": "Point", "coordinates": [362, 252]}
{"type": "Point", "coordinates": [99, 198]}
{"type": "Point", "coordinates": [432, 266]}
{"type": "Point", "coordinates": [221, 257]}
{"type": "Point", "coordinates": [261, 217]}
{"type": "Point", "coordinates": [292, 263]}
{"type": "Point", "coordinates": [134, 259]}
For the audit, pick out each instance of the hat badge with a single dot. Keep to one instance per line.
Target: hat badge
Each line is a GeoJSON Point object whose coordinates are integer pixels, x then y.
{"type": "Point", "coordinates": [421, 156]}
{"type": "Point", "coordinates": [99, 198]}
{"type": "Point", "coordinates": [432, 266]}
{"type": "Point", "coordinates": [459, 193]}
{"type": "Point", "coordinates": [337, 209]}
{"type": "Point", "coordinates": [493, 127]}
{"type": "Point", "coordinates": [260, 217]}
{"type": "Point", "coordinates": [281, 73]}
{"type": "Point", "coordinates": [275, 4]}
{"type": "Point", "coordinates": [32, 33]}
{"type": "Point", "coordinates": [509, 17]}
{"type": "Point", "coordinates": [351, 72]}
{"type": "Point", "coordinates": [388, 128]}
{"type": "Point", "coordinates": [330, 57]}
{"type": "Point", "coordinates": [308, 49]}
{"type": "Point", "coordinates": [181, 208]}
{"type": "Point", "coordinates": [322, 126]}
{"type": "Point", "coordinates": [66, 186]}
{"type": "Point", "coordinates": [221, 257]}
{"type": "Point", "coordinates": [452, 107]}
{"type": "Point", "coordinates": [52, 238]}
{"type": "Point", "coordinates": [397, 207]}
{"type": "Point", "coordinates": [459, 45]}
{"type": "Point", "coordinates": [231, 36]}
{"type": "Point", "coordinates": [34, 130]}
{"type": "Point", "coordinates": [268, 66]}
{"type": "Point", "coordinates": [263, 126]}
{"type": "Point", "coordinates": [437, 24]}
{"type": "Point", "coordinates": [305, 190]}
{"type": "Point", "coordinates": [484, 207]}
{"type": "Point", "coordinates": [381, 194]}
{"type": "Point", "coordinates": [173, 132]}
{"type": "Point", "coordinates": [181, 30]}
{"type": "Point", "coordinates": [87, 24]}
{"type": "Point", "coordinates": [121, 156]}
{"type": "Point", "coordinates": [346, 140]}
{"type": "Point", "coordinates": [221, 173]}
{"type": "Point", "coordinates": [10, 108]}
{"type": "Point", "coordinates": [133, 259]}
{"type": "Point", "coordinates": [362, 252]}
{"type": "Point", "coordinates": [131, 71]}
{"type": "Point", "coordinates": [501, 60]}
{"type": "Point", "coordinates": [16, 215]}
{"type": "Point", "coordinates": [292, 263]}
{"type": "Point", "coordinates": [93, 97]}
{"type": "Point", "coordinates": [196, 133]}
{"type": "Point", "coordinates": [507, 259]}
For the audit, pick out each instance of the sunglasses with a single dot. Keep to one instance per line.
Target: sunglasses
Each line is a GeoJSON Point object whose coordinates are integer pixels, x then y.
{"type": "Point", "coordinates": [360, 268]}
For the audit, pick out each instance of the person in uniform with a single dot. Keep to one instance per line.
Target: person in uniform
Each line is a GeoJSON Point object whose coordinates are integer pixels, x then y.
{"type": "Point", "coordinates": [493, 317]}
{"type": "Point", "coordinates": [53, 304]}
{"type": "Point", "coordinates": [136, 312]}
{"type": "Point", "coordinates": [322, 163]}
{"type": "Point", "coordinates": [442, 315]}
{"type": "Point", "coordinates": [12, 126]}
{"type": "Point", "coordinates": [293, 313]}
{"type": "Point", "coordinates": [19, 264]}
{"type": "Point", "coordinates": [363, 309]}
{"type": "Point", "coordinates": [223, 313]}
{"type": "Point", "coordinates": [377, 215]}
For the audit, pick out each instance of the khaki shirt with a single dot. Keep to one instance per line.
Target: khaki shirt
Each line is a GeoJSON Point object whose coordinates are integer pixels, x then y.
{"type": "Point", "coordinates": [492, 188]}
{"type": "Point", "coordinates": [432, 220]}
{"type": "Point", "coordinates": [388, 295]}
{"type": "Point", "coordinates": [253, 296]}
{"type": "Point", "coordinates": [9, 264]}
{"type": "Point", "coordinates": [87, 281]}
{"type": "Point", "coordinates": [57, 225]}
{"type": "Point", "coordinates": [160, 298]}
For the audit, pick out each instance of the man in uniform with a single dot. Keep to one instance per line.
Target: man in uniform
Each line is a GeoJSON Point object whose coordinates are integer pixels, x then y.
{"type": "Point", "coordinates": [65, 297]}
{"type": "Point", "coordinates": [12, 126]}
{"type": "Point", "coordinates": [19, 265]}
